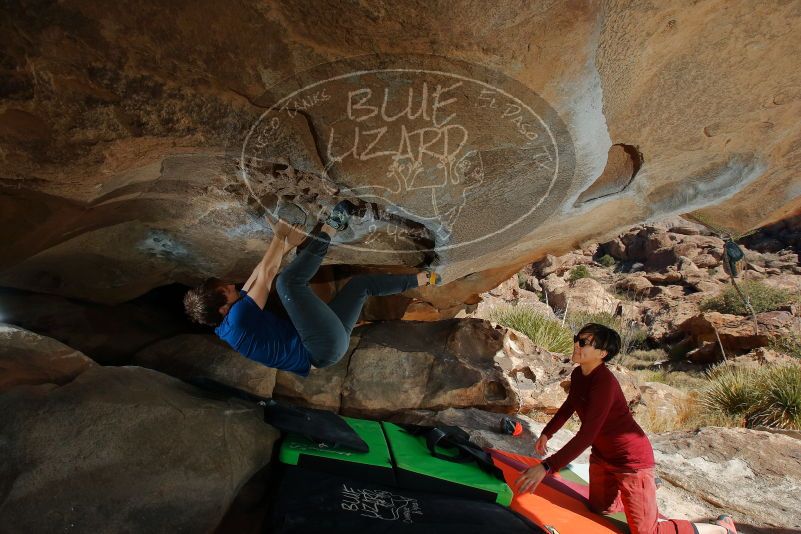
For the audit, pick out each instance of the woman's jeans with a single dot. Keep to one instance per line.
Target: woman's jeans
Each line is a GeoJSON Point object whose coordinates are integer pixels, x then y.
{"type": "Point", "coordinates": [324, 328]}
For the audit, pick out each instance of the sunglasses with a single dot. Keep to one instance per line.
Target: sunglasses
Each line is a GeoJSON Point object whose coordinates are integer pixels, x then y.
{"type": "Point", "coordinates": [583, 342]}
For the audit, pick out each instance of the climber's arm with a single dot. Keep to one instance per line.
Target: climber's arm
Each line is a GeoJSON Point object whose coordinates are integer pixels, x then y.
{"type": "Point", "coordinates": [252, 278]}
{"type": "Point", "coordinates": [259, 284]}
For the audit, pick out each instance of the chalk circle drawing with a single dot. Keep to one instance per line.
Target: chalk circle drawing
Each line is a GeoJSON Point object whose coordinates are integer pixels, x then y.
{"type": "Point", "coordinates": [467, 152]}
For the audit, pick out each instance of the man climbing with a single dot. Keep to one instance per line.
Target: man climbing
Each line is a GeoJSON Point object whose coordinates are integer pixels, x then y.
{"type": "Point", "coordinates": [622, 459]}
{"type": "Point", "coordinates": [316, 333]}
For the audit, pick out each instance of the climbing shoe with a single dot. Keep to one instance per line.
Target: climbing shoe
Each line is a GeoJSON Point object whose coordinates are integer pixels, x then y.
{"type": "Point", "coordinates": [340, 215]}
{"type": "Point", "coordinates": [433, 278]}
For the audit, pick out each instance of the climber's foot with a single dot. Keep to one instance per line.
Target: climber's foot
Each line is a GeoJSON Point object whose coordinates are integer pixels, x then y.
{"type": "Point", "coordinates": [338, 220]}
{"type": "Point", "coordinates": [726, 522]}
{"type": "Point", "coordinates": [429, 278]}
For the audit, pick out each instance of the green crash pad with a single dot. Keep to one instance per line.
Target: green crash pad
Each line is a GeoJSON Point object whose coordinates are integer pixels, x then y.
{"type": "Point", "coordinates": [417, 469]}
{"type": "Point", "coordinates": [372, 466]}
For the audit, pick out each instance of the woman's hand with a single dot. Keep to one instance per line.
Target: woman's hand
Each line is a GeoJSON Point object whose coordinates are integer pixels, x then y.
{"type": "Point", "coordinates": [541, 445]}
{"type": "Point", "coordinates": [530, 479]}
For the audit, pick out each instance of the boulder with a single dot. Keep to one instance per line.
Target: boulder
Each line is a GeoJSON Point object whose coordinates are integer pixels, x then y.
{"type": "Point", "coordinates": [616, 248]}
{"type": "Point", "coordinates": [659, 401]}
{"type": "Point", "coordinates": [706, 261]}
{"type": "Point", "coordinates": [762, 356]}
{"type": "Point", "coordinates": [750, 474]}
{"type": "Point", "coordinates": [656, 240]}
{"type": "Point", "coordinates": [458, 363]}
{"type": "Point", "coordinates": [323, 387]}
{"type": "Point", "coordinates": [561, 264]}
{"type": "Point", "coordinates": [124, 449]}
{"type": "Point", "coordinates": [532, 284]}
{"type": "Point", "coordinates": [420, 366]}
{"type": "Point", "coordinates": [709, 287]}
{"type": "Point", "coordinates": [669, 277]}
{"type": "Point", "coordinates": [707, 242]}
{"type": "Point", "coordinates": [685, 229]}
{"type": "Point", "coordinates": [585, 294]}
{"type": "Point", "coordinates": [736, 333]}
{"type": "Point", "coordinates": [636, 285]}
{"type": "Point", "coordinates": [670, 292]}
{"type": "Point", "coordinates": [628, 383]}
{"type": "Point", "coordinates": [149, 190]}
{"type": "Point", "coordinates": [662, 259]}
{"type": "Point", "coordinates": [28, 358]}
{"type": "Point", "coordinates": [665, 314]}
{"type": "Point", "coordinates": [634, 241]}
{"type": "Point", "coordinates": [191, 356]}
{"type": "Point", "coordinates": [688, 250]}
{"type": "Point", "coordinates": [552, 396]}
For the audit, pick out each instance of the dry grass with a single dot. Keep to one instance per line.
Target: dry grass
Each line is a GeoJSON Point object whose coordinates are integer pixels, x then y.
{"type": "Point", "coordinates": [690, 415]}
{"type": "Point", "coordinates": [543, 331]}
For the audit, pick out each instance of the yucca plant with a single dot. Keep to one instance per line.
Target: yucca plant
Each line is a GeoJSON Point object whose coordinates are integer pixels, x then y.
{"type": "Point", "coordinates": [731, 392]}
{"type": "Point", "coordinates": [779, 403]}
{"type": "Point", "coordinates": [542, 330]}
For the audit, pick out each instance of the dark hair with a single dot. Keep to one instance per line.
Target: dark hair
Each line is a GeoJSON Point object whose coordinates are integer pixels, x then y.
{"type": "Point", "coordinates": [202, 304]}
{"type": "Point", "coordinates": [603, 338]}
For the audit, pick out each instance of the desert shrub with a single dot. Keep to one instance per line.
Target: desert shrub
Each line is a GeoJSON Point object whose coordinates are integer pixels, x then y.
{"type": "Point", "coordinates": [578, 272]}
{"type": "Point", "coordinates": [766, 396]}
{"type": "Point", "coordinates": [788, 344]}
{"type": "Point", "coordinates": [607, 261]}
{"type": "Point", "coordinates": [779, 404]}
{"type": "Point", "coordinates": [690, 414]}
{"type": "Point", "coordinates": [730, 391]}
{"type": "Point", "coordinates": [632, 337]}
{"type": "Point", "coordinates": [763, 298]}
{"type": "Point", "coordinates": [540, 329]}
{"type": "Point", "coordinates": [521, 280]}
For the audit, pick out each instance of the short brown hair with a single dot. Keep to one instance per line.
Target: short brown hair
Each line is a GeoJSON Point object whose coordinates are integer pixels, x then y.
{"type": "Point", "coordinates": [603, 338]}
{"type": "Point", "coordinates": [203, 303]}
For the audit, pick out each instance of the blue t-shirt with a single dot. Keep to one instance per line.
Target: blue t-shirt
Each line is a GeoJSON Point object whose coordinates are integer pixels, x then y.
{"type": "Point", "coordinates": [264, 337]}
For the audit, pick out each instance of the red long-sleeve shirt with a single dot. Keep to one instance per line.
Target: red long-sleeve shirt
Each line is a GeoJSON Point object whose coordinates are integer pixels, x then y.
{"type": "Point", "coordinates": [606, 423]}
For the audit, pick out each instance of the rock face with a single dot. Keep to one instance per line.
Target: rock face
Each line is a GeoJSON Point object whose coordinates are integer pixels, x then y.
{"type": "Point", "coordinates": [659, 401]}
{"type": "Point", "coordinates": [748, 473]}
{"type": "Point", "coordinates": [193, 355]}
{"type": "Point", "coordinates": [124, 133]}
{"type": "Point", "coordinates": [123, 449]}
{"type": "Point", "coordinates": [433, 366]}
{"type": "Point", "coordinates": [736, 333]}
{"type": "Point", "coordinates": [26, 358]}
{"type": "Point", "coordinates": [585, 294]}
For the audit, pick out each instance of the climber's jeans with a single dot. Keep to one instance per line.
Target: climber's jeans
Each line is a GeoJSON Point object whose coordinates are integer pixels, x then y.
{"type": "Point", "coordinates": [325, 328]}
